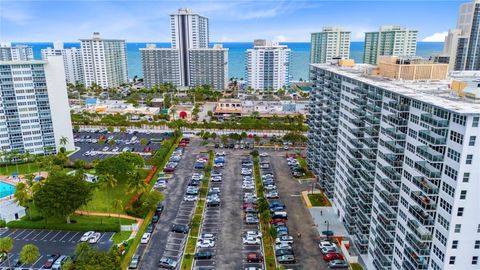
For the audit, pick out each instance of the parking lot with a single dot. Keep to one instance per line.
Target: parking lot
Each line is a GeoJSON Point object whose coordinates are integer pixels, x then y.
{"type": "Point", "coordinates": [49, 242]}
{"type": "Point", "coordinates": [114, 143]}
{"type": "Point", "coordinates": [164, 242]}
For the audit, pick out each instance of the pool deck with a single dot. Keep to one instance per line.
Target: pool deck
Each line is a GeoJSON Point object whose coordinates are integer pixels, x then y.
{"type": "Point", "coordinates": [14, 180]}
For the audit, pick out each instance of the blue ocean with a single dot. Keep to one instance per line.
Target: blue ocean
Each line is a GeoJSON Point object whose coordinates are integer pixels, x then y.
{"type": "Point", "coordinates": [236, 55]}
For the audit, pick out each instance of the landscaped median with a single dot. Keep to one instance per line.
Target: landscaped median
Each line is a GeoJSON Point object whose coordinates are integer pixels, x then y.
{"type": "Point", "coordinates": [268, 240]}
{"type": "Point", "coordinates": [197, 220]}
{"type": "Point", "coordinates": [165, 154]}
{"type": "Point", "coordinates": [315, 199]}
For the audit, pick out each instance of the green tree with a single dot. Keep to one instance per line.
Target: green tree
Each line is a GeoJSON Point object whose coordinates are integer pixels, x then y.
{"type": "Point", "coordinates": [29, 254]}
{"type": "Point", "coordinates": [23, 196]}
{"type": "Point", "coordinates": [62, 194]}
{"type": "Point", "coordinates": [136, 186]}
{"type": "Point", "coordinates": [6, 246]}
{"type": "Point", "coordinates": [152, 199]}
{"type": "Point", "coordinates": [112, 142]}
{"type": "Point", "coordinates": [63, 141]}
{"type": "Point", "coordinates": [134, 159]}
{"type": "Point", "coordinates": [83, 250]}
{"type": "Point", "coordinates": [99, 261]}
{"type": "Point", "coordinates": [143, 142]}
{"type": "Point", "coordinates": [118, 205]}
{"type": "Point", "coordinates": [110, 129]}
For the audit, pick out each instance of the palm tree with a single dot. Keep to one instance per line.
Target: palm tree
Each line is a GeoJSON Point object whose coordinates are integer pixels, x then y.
{"type": "Point", "coordinates": [6, 245]}
{"type": "Point", "coordinates": [29, 254]}
{"type": "Point", "coordinates": [27, 156]}
{"type": "Point", "coordinates": [63, 141]}
{"type": "Point", "coordinates": [118, 204]}
{"type": "Point", "coordinates": [107, 181]}
{"type": "Point", "coordinates": [136, 186]}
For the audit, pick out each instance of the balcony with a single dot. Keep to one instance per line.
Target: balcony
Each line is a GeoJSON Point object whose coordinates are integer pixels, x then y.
{"type": "Point", "coordinates": [387, 224]}
{"type": "Point", "coordinates": [387, 211]}
{"type": "Point", "coordinates": [413, 260]}
{"type": "Point", "coordinates": [372, 120]}
{"type": "Point", "coordinates": [359, 102]}
{"type": "Point", "coordinates": [421, 216]}
{"type": "Point", "coordinates": [385, 236]}
{"type": "Point", "coordinates": [424, 201]}
{"type": "Point", "coordinates": [420, 248]}
{"type": "Point", "coordinates": [367, 165]}
{"type": "Point", "coordinates": [367, 176]}
{"type": "Point", "coordinates": [390, 172]}
{"type": "Point", "coordinates": [428, 170]}
{"type": "Point", "coordinates": [432, 137]}
{"type": "Point", "coordinates": [399, 106]}
{"type": "Point", "coordinates": [389, 185]}
{"type": "Point", "coordinates": [392, 146]}
{"type": "Point", "coordinates": [429, 154]}
{"type": "Point", "coordinates": [368, 154]}
{"type": "Point", "coordinates": [396, 161]}
{"type": "Point", "coordinates": [425, 185]}
{"type": "Point", "coordinates": [388, 198]}
{"type": "Point", "coordinates": [394, 134]}
{"type": "Point", "coordinates": [371, 131]}
{"type": "Point", "coordinates": [373, 108]}
{"type": "Point", "coordinates": [394, 120]}
{"type": "Point", "coordinates": [369, 143]}
{"type": "Point", "coordinates": [421, 232]}
{"type": "Point", "coordinates": [374, 96]}
{"type": "Point", "coordinates": [434, 121]}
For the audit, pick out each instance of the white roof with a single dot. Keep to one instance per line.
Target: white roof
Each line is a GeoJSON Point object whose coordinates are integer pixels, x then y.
{"type": "Point", "coordinates": [434, 92]}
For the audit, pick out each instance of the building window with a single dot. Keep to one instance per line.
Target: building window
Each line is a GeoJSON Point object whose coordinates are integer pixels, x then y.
{"type": "Point", "coordinates": [454, 155]}
{"type": "Point", "coordinates": [474, 259]}
{"type": "Point", "coordinates": [471, 142]}
{"type": "Point", "coordinates": [458, 228]}
{"type": "Point", "coordinates": [477, 244]}
{"type": "Point", "coordinates": [450, 172]}
{"type": "Point", "coordinates": [469, 159]}
{"type": "Point", "coordinates": [454, 244]}
{"type": "Point", "coordinates": [475, 121]}
{"type": "Point", "coordinates": [460, 211]}
{"type": "Point", "coordinates": [456, 137]}
{"type": "Point", "coordinates": [463, 195]}
{"type": "Point", "coordinates": [452, 260]}
{"type": "Point", "coordinates": [466, 177]}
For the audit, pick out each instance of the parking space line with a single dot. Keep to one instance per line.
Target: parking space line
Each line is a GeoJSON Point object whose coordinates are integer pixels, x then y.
{"type": "Point", "coordinates": [20, 233]}
{"type": "Point", "coordinates": [28, 234]}
{"type": "Point", "coordinates": [38, 233]}
{"type": "Point", "coordinates": [46, 235]}
{"type": "Point", "coordinates": [73, 237]}
{"type": "Point", "coordinates": [65, 235]}
{"type": "Point", "coordinates": [39, 258]}
{"type": "Point", "coordinates": [52, 239]}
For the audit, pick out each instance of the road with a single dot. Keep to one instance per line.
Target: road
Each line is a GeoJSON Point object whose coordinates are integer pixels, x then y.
{"type": "Point", "coordinates": [173, 199]}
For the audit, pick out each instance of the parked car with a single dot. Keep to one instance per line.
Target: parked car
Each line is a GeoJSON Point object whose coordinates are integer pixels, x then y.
{"type": "Point", "coordinates": [286, 259]}
{"type": "Point", "coordinates": [180, 228]}
{"type": "Point", "coordinates": [332, 256]}
{"type": "Point", "coordinates": [48, 263]}
{"type": "Point", "coordinates": [57, 265]}
{"type": "Point", "coordinates": [338, 264]}
{"type": "Point", "coordinates": [86, 236]}
{"type": "Point", "coordinates": [94, 238]}
{"type": "Point", "coordinates": [254, 257]}
{"type": "Point", "coordinates": [167, 263]}
{"type": "Point", "coordinates": [250, 240]}
{"type": "Point", "coordinates": [145, 238]}
{"type": "Point", "coordinates": [205, 243]}
{"type": "Point", "coordinates": [286, 239]}
{"type": "Point", "coordinates": [203, 255]}
{"type": "Point", "coordinates": [150, 228]}
{"type": "Point", "coordinates": [134, 261]}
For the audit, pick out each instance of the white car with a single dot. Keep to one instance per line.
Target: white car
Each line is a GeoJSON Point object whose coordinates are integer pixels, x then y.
{"type": "Point", "coordinates": [86, 236]}
{"type": "Point", "coordinates": [105, 149]}
{"type": "Point", "coordinates": [282, 245]}
{"type": "Point", "coordinates": [220, 153]}
{"type": "Point", "coordinates": [94, 238]}
{"type": "Point", "coordinates": [145, 238]}
{"type": "Point", "coordinates": [161, 184]}
{"type": "Point", "coordinates": [250, 240]}
{"type": "Point", "coordinates": [190, 198]}
{"type": "Point", "coordinates": [115, 149]}
{"type": "Point", "coordinates": [205, 243]}
{"type": "Point", "coordinates": [209, 236]}
{"type": "Point", "coordinates": [285, 239]}
{"type": "Point", "coordinates": [264, 154]}
{"type": "Point", "coordinates": [218, 165]}
{"type": "Point", "coordinates": [323, 244]}
{"type": "Point", "coordinates": [253, 234]}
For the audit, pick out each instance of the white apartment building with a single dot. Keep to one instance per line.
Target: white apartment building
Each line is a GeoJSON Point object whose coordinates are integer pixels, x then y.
{"type": "Point", "coordinates": [332, 42]}
{"type": "Point", "coordinates": [267, 66]}
{"type": "Point", "coordinates": [15, 53]}
{"type": "Point", "coordinates": [189, 62]}
{"type": "Point", "coordinates": [72, 60]}
{"type": "Point", "coordinates": [34, 110]}
{"type": "Point", "coordinates": [389, 40]}
{"type": "Point", "coordinates": [104, 61]}
{"type": "Point", "coordinates": [398, 159]}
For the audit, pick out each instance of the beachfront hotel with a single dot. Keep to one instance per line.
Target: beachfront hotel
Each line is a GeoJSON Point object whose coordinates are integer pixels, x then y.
{"type": "Point", "coordinates": [389, 40]}
{"type": "Point", "coordinates": [189, 61]}
{"type": "Point", "coordinates": [395, 147]}
{"type": "Point", "coordinates": [104, 61]}
{"type": "Point", "coordinates": [267, 66]}
{"type": "Point", "coordinates": [72, 60]}
{"type": "Point", "coordinates": [332, 42]}
{"type": "Point", "coordinates": [34, 111]}
{"type": "Point", "coordinates": [15, 53]}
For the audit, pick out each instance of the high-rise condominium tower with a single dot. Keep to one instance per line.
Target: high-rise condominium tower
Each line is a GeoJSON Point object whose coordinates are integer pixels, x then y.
{"type": "Point", "coordinates": [34, 111]}
{"type": "Point", "coordinates": [189, 62]}
{"type": "Point", "coordinates": [461, 47]}
{"type": "Point", "coordinates": [331, 43]}
{"type": "Point", "coordinates": [268, 65]}
{"type": "Point", "coordinates": [72, 60]}
{"type": "Point", "coordinates": [390, 40]}
{"type": "Point", "coordinates": [15, 53]}
{"type": "Point", "coordinates": [401, 156]}
{"type": "Point", "coordinates": [104, 61]}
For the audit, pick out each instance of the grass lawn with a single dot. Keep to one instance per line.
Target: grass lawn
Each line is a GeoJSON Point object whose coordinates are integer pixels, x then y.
{"type": "Point", "coordinates": [79, 223]}
{"type": "Point", "coordinates": [318, 199]}
{"type": "Point", "coordinates": [24, 168]}
{"type": "Point", "coordinates": [356, 266]}
{"type": "Point", "coordinates": [303, 163]}
{"type": "Point", "coordinates": [120, 237]}
{"type": "Point", "coordinates": [102, 199]}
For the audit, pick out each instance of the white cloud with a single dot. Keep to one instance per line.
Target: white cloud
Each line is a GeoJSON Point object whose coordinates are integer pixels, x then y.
{"type": "Point", "coordinates": [437, 37]}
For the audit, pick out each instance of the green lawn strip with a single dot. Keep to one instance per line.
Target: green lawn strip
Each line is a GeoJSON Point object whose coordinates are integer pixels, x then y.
{"type": "Point", "coordinates": [197, 220]}
{"type": "Point", "coordinates": [79, 223]}
{"type": "Point", "coordinates": [119, 237]}
{"type": "Point", "coordinates": [303, 163]}
{"type": "Point", "coordinates": [356, 266]}
{"type": "Point", "coordinates": [268, 241]}
{"type": "Point", "coordinates": [132, 248]}
{"type": "Point", "coordinates": [318, 199]}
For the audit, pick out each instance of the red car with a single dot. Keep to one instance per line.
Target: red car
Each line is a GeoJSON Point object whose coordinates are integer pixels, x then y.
{"type": "Point", "coordinates": [277, 220]}
{"type": "Point", "coordinates": [147, 149]}
{"type": "Point", "coordinates": [246, 205]}
{"type": "Point", "coordinates": [254, 257]}
{"type": "Point", "coordinates": [168, 169]}
{"type": "Point", "coordinates": [50, 261]}
{"type": "Point", "coordinates": [332, 256]}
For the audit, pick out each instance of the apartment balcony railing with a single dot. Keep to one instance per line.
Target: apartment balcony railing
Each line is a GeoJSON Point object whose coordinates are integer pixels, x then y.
{"type": "Point", "coordinates": [371, 131]}
{"type": "Point", "coordinates": [394, 134]}
{"type": "Point", "coordinates": [414, 261]}
{"type": "Point", "coordinates": [400, 107]}
{"type": "Point", "coordinates": [387, 224]}
{"type": "Point", "coordinates": [434, 120]}
{"type": "Point", "coordinates": [369, 143]}
{"type": "Point", "coordinates": [367, 165]}
{"type": "Point", "coordinates": [390, 172]}
{"type": "Point", "coordinates": [368, 154]}
{"type": "Point", "coordinates": [373, 108]}
{"type": "Point", "coordinates": [421, 216]}
{"type": "Point", "coordinates": [374, 96]}
{"type": "Point", "coordinates": [387, 211]}
{"type": "Point", "coordinates": [425, 185]}
{"type": "Point", "coordinates": [419, 247]}
{"type": "Point", "coordinates": [389, 198]}
{"type": "Point", "coordinates": [432, 137]}
{"type": "Point", "coordinates": [358, 113]}
{"type": "Point", "coordinates": [367, 176]}
{"type": "Point", "coordinates": [427, 169]}
{"type": "Point", "coordinates": [389, 185]}
{"type": "Point", "coordinates": [384, 235]}
{"type": "Point", "coordinates": [395, 120]}
{"type": "Point", "coordinates": [424, 201]}
{"type": "Point", "coordinates": [362, 218]}
{"type": "Point", "coordinates": [392, 146]}
{"type": "Point", "coordinates": [421, 232]}
{"type": "Point", "coordinates": [359, 102]}
{"type": "Point", "coordinates": [429, 154]}
{"type": "Point", "coordinates": [393, 160]}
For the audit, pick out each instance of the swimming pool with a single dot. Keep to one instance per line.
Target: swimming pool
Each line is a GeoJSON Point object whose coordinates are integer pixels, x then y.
{"type": "Point", "coordinates": [6, 190]}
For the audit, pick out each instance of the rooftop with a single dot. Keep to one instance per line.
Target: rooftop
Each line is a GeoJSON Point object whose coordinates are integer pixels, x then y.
{"type": "Point", "coordinates": [435, 92]}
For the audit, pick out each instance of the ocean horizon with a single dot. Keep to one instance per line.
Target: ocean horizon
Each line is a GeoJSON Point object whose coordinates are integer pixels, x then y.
{"type": "Point", "coordinates": [300, 57]}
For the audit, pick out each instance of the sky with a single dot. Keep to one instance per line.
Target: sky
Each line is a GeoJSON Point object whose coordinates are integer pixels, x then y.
{"type": "Point", "coordinates": [230, 21]}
